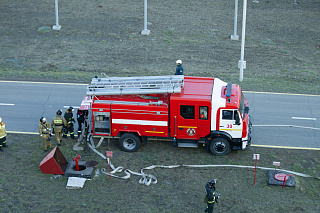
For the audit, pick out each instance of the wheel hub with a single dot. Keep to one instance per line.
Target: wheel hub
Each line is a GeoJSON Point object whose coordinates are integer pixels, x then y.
{"type": "Point", "coordinates": [129, 143]}
{"type": "Point", "coordinates": [219, 147]}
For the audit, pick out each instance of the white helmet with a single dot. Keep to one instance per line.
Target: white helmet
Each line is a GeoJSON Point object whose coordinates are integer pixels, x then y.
{"type": "Point", "coordinates": [0, 120]}
{"type": "Point", "coordinates": [178, 61]}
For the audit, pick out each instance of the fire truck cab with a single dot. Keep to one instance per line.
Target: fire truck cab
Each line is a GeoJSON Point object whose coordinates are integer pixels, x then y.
{"type": "Point", "coordinates": [187, 110]}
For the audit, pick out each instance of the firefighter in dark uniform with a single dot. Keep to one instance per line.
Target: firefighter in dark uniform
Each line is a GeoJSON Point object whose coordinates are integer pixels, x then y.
{"type": "Point", "coordinates": [211, 197]}
{"type": "Point", "coordinates": [57, 124]}
{"type": "Point", "coordinates": [179, 69]}
{"type": "Point", "coordinates": [3, 135]}
{"type": "Point", "coordinates": [44, 132]}
{"type": "Point", "coordinates": [68, 115]}
{"type": "Point", "coordinates": [80, 118]}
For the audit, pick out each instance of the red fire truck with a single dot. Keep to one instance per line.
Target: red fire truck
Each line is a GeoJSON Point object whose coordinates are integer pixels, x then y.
{"type": "Point", "coordinates": [187, 110]}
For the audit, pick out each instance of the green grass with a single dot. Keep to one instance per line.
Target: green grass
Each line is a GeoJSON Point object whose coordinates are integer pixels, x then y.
{"type": "Point", "coordinates": [24, 188]}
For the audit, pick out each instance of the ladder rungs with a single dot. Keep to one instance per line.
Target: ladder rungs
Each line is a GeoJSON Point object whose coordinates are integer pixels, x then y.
{"type": "Point", "coordinates": [131, 85]}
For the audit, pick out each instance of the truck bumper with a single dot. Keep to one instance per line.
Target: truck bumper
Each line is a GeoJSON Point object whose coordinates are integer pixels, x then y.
{"type": "Point", "coordinates": [243, 143]}
{"type": "Point", "coordinates": [246, 142]}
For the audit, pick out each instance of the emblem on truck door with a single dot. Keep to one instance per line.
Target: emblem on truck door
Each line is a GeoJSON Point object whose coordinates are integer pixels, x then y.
{"type": "Point", "coordinates": [191, 132]}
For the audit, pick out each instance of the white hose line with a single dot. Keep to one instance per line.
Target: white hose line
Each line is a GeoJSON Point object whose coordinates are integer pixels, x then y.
{"type": "Point", "coordinates": [250, 167]}
{"type": "Point", "coordinates": [147, 179]}
{"type": "Point", "coordinates": [93, 149]}
{"type": "Point", "coordinates": [101, 139]}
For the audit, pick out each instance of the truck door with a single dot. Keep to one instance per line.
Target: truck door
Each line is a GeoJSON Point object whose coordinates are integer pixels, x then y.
{"type": "Point", "coordinates": [187, 124]}
{"type": "Point", "coordinates": [231, 122]}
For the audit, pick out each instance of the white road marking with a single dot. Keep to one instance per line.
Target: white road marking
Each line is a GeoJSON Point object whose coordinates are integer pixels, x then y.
{"type": "Point", "coordinates": [302, 118]}
{"type": "Point", "coordinates": [27, 133]}
{"type": "Point", "coordinates": [278, 93]}
{"type": "Point", "coordinates": [75, 107]}
{"type": "Point", "coordinates": [4, 104]}
{"type": "Point", "coordinates": [33, 82]}
{"type": "Point", "coordinates": [79, 84]}
{"type": "Point", "coordinates": [303, 127]}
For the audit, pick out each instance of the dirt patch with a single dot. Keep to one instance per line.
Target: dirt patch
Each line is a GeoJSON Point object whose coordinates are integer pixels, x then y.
{"type": "Point", "coordinates": [282, 41]}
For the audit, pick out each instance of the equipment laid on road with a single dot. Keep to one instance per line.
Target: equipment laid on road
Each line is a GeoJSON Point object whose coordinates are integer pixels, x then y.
{"type": "Point", "coordinates": [188, 110]}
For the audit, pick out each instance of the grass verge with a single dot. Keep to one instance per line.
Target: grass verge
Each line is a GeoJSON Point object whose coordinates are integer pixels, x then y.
{"type": "Point", "coordinates": [23, 187]}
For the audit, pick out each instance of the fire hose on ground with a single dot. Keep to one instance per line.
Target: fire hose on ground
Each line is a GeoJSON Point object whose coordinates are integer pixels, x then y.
{"type": "Point", "coordinates": [148, 179]}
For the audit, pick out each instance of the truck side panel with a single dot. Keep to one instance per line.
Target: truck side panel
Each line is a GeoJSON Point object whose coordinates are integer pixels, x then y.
{"type": "Point", "coordinates": [145, 120]}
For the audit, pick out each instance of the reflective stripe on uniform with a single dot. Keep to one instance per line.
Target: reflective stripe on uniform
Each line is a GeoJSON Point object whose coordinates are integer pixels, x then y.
{"type": "Point", "coordinates": [57, 122]}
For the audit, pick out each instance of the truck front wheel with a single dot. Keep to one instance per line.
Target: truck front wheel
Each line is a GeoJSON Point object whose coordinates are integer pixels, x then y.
{"type": "Point", "coordinates": [219, 146]}
{"type": "Point", "coordinates": [129, 142]}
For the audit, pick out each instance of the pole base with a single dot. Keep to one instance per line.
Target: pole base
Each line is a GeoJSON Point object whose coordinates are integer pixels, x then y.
{"type": "Point", "coordinates": [235, 37]}
{"type": "Point", "coordinates": [145, 32]}
{"type": "Point", "coordinates": [56, 27]}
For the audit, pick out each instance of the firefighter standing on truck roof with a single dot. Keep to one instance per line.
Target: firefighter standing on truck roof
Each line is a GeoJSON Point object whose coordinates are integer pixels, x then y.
{"type": "Point", "coordinates": [44, 132]}
{"type": "Point", "coordinates": [211, 197]}
{"type": "Point", "coordinates": [3, 135]}
{"type": "Point", "coordinates": [68, 115]}
{"type": "Point", "coordinates": [179, 69]}
{"type": "Point", "coordinates": [57, 124]}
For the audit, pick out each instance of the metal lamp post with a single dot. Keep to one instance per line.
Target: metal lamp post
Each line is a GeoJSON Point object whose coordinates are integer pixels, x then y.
{"type": "Point", "coordinates": [145, 30]}
{"type": "Point", "coordinates": [235, 36]}
{"type": "Point", "coordinates": [57, 26]}
{"type": "Point", "coordinates": [242, 63]}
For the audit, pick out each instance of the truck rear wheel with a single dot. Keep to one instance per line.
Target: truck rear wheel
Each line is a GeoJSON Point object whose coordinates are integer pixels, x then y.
{"type": "Point", "coordinates": [129, 142]}
{"type": "Point", "coordinates": [219, 146]}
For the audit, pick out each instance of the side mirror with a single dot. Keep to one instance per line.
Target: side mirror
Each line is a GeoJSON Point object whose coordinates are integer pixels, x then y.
{"type": "Point", "coordinates": [246, 110]}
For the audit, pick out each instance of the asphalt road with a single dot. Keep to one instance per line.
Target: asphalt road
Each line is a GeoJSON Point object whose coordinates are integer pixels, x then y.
{"type": "Point", "coordinates": [278, 119]}
{"type": "Point", "coordinates": [34, 100]}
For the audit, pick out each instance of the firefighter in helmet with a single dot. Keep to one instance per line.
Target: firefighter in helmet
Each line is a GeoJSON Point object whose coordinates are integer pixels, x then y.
{"type": "Point", "coordinates": [80, 118]}
{"type": "Point", "coordinates": [68, 115]}
{"type": "Point", "coordinates": [44, 132]}
{"type": "Point", "coordinates": [3, 135]}
{"type": "Point", "coordinates": [211, 197]}
{"type": "Point", "coordinates": [179, 69]}
{"type": "Point", "coordinates": [57, 124]}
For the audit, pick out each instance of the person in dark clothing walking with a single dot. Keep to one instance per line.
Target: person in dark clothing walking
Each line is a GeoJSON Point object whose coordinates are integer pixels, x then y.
{"type": "Point", "coordinates": [68, 115]}
{"type": "Point", "coordinates": [179, 69]}
{"type": "Point", "coordinates": [211, 197]}
{"type": "Point", "coordinates": [80, 118]}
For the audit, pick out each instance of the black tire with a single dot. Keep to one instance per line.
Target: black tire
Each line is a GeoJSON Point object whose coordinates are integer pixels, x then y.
{"type": "Point", "coordinates": [219, 146]}
{"type": "Point", "coordinates": [129, 142]}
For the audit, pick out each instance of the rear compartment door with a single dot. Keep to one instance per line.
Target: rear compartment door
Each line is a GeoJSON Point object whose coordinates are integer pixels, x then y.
{"type": "Point", "coordinates": [187, 121]}
{"type": "Point", "coordinates": [101, 120]}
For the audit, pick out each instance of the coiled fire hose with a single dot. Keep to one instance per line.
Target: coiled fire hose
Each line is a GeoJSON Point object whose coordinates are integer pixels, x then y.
{"type": "Point", "coordinates": [148, 179]}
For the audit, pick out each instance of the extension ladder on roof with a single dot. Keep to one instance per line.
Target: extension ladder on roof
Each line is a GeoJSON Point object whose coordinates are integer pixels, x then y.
{"type": "Point", "coordinates": [136, 85]}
